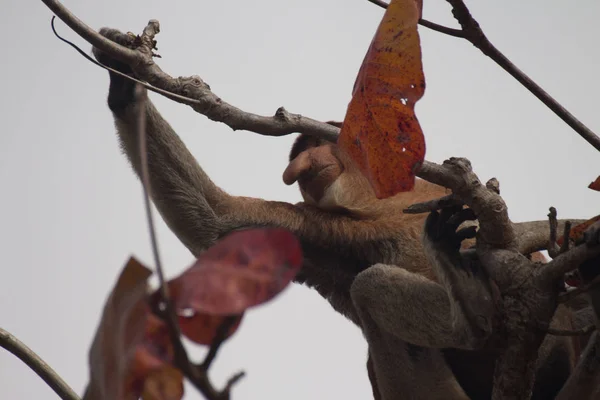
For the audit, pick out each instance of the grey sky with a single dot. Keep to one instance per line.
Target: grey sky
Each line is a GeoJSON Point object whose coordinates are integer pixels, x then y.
{"type": "Point", "coordinates": [71, 210]}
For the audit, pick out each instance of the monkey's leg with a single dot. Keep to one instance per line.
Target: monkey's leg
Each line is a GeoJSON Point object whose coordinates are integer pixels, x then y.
{"type": "Point", "coordinates": [409, 307]}
{"type": "Point", "coordinates": [456, 314]}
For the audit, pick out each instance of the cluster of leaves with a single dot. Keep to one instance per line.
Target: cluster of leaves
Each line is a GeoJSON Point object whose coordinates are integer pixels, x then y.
{"type": "Point", "coordinates": [132, 354]}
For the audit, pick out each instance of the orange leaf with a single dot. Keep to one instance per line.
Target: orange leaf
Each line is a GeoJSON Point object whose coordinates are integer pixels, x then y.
{"type": "Point", "coordinates": [129, 342]}
{"type": "Point", "coordinates": [381, 131]}
{"type": "Point", "coordinates": [595, 185]}
{"type": "Point", "coordinates": [576, 233]}
{"type": "Point", "coordinates": [165, 383]}
{"type": "Point", "coordinates": [242, 270]}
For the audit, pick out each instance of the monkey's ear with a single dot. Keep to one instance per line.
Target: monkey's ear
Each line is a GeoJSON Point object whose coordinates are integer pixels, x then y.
{"type": "Point", "coordinates": [297, 167]}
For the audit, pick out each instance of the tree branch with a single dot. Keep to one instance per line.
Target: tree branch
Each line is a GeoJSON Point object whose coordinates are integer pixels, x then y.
{"type": "Point", "coordinates": [474, 34]}
{"type": "Point", "coordinates": [33, 361]}
{"type": "Point", "coordinates": [120, 53]}
{"type": "Point", "coordinates": [428, 24]}
{"type": "Point", "coordinates": [533, 235]}
{"type": "Point", "coordinates": [568, 261]}
{"type": "Point", "coordinates": [192, 90]}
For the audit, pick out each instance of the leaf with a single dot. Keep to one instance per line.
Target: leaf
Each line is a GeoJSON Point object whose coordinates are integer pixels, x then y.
{"type": "Point", "coordinates": [130, 342]}
{"type": "Point", "coordinates": [381, 131]}
{"type": "Point", "coordinates": [595, 185]}
{"type": "Point", "coordinates": [201, 328]}
{"type": "Point", "coordinates": [576, 233]}
{"type": "Point", "coordinates": [165, 383]}
{"type": "Point", "coordinates": [244, 269]}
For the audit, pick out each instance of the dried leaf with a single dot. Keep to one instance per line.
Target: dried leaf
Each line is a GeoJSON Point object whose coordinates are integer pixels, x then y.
{"type": "Point", "coordinates": [129, 343]}
{"type": "Point", "coordinates": [165, 383]}
{"type": "Point", "coordinates": [381, 131]}
{"type": "Point", "coordinates": [595, 185]}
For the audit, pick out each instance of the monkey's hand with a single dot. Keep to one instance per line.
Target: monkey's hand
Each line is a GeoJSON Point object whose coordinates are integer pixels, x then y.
{"type": "Point", "coordinates": [466, 282]}
{"type": "Point", "coordinates": [121, 92]}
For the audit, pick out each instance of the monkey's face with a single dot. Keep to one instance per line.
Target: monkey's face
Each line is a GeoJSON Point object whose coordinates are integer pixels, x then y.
{"type": "Point", "coordinates": [326, 177]}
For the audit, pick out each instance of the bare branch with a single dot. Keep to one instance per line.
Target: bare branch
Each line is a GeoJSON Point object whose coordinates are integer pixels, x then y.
{"type": "Point", "coordinates": [120, 53]}
{"type": "Point", "coordinates": [33, 361]}
{"type": "Point", "coordinates": [553, 249]}
{"type": "Point", "coordinates": [220, 336]}
{"type": "Point", "coordinates": [533, 235]}
{"type": "Point", "coordinates": [566, 237]}
{"type": "Point", "coordinates": [473, 33]}
{"type": "Point", "coordinates": [192, 90]}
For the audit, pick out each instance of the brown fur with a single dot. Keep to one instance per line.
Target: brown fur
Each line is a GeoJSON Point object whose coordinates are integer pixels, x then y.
{"type": "Point", "coordinates": [364, 256]}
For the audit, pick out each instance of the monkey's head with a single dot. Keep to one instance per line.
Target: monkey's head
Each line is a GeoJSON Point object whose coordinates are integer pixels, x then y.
{"type": "Point", "coordinates": [327, 177]}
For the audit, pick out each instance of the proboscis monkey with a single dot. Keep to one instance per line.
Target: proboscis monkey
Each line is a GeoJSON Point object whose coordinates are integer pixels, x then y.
{"type": "Point", "coordinates": [424, 309]}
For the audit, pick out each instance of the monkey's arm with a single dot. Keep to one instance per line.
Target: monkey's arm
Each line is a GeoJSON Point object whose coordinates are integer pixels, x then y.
{"type": "Point", "coordinates": [194, 208]}
{"type": "Point", "coordinates": [456, 313]}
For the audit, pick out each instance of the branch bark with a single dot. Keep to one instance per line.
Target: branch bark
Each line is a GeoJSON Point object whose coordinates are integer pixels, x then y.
{"type": "Point", "coordinates": [33, 361]}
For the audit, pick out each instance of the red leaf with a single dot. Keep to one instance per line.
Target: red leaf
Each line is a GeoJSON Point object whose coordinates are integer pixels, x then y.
{"type": "Point", "coordinates": [595, 185]}
{"type": "Point", "coordinates": [381, 131]}
{"type": "Point", "coordinates": [201, 328]}
{"type": "Point", "coordinates": [129, 343]}
{"type": "Point", "coordinates": [242, 270]}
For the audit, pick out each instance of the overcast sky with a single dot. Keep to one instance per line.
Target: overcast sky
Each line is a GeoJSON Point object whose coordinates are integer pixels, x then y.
{"type": "Point", "coordinates": [71, 210]}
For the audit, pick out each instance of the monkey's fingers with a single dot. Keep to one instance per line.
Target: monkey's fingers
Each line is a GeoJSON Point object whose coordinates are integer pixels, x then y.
{"type": "Point", "coordinates": [465, 233]}
{"type": "Point", "coordinates": [433, 205]}
{"type": "Point", "coordinates": [124, 39]}
{"type": "Point", "coordinates": [433, 228]}
{"type": "Point", "coordinates": [458, 218]}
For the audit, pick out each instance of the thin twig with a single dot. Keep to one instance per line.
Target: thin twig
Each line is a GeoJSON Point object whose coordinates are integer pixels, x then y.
{"type": "Point", "coordinates": [474, 34]}
{"type": "Point", "coordinates": [220, 336]}
{"type": "Point", "coordinates": [553, 249]}
{"type": "Point", "coordinates": [428, 24]}
{"type": "Point", "coordinates": [566, 237]}
{"type": "Point", "coordinates": [33, 361]}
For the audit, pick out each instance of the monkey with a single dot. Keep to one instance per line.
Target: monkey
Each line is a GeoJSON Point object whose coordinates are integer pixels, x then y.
{"type": "Point", "coordinates": [406, 290]}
